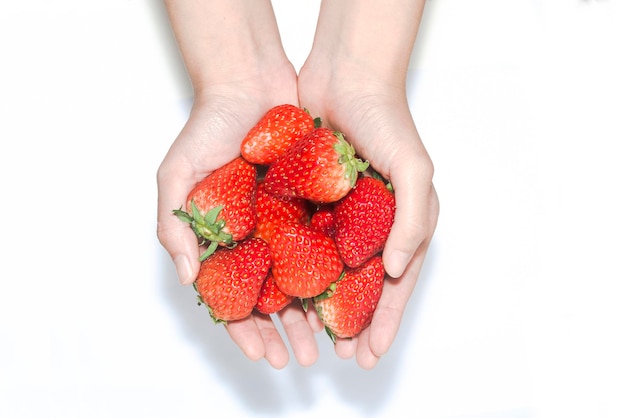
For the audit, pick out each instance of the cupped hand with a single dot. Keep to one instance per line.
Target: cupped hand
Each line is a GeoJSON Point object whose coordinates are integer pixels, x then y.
{"type": "Point", "coordinates": [219, 119]}
{"type": "Point", "coordinates": [374, 116]}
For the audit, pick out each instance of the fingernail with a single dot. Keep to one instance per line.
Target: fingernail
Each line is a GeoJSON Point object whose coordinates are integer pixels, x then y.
{"type": "Point", "coordinates": [397, 262]}
{"type": "Point", "coordinates": [183, 269]}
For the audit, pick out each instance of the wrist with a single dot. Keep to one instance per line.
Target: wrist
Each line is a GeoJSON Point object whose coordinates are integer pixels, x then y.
{"type": "Point", "coordinates": [369, 38]}
{"type": "Point", "coordinates": [226, 42]}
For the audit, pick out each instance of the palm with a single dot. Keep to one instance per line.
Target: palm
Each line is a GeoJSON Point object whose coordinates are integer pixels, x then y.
{"type": "Point", "coordinates": [377, 121]}
{"type": "Point", "coordinates": [211, 137]}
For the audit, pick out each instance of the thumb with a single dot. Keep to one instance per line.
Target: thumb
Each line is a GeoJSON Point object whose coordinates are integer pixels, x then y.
{"type": "Point", "coordinates": [176, 236]}
{"type": "Point", "coordinates": [416, 210]}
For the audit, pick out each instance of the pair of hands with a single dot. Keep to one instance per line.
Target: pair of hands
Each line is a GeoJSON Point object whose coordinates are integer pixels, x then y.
{"type": "Point", "coordinates": [376, 120]}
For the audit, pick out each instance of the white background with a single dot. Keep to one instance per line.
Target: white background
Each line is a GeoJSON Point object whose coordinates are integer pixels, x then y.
{"type": "Point", "coordinates": [519, 311]}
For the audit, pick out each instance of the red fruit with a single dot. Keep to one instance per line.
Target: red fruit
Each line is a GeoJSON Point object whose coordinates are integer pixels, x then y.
{"type": "Point", "coordinates": [363, 220]}
{"type": "Point", "coordinates": [323, 220]}
{"type": "Point", "coordinates": [220, 208]}
{"type": "Point", "coordinates": [304, 262]}
{"type": "Point", "coordinates": [280, 127]}
{"type": "Point", "coordinates": [320, 167]}
{"type": "Point", "coordinates": [272, 299]}
{"type": "Point", "coordinates": [349, 305]}
{"type": "Point", "coordinates": [275, 210]}
{"type": "Point", "coordinates": [230, 279]}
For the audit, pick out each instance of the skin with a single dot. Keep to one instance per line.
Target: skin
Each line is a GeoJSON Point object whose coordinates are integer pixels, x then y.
{"type": "Point", "coordinates": [354, 79]}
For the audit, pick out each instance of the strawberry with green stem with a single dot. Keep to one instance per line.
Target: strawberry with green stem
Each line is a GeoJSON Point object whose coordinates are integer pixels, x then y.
{"type": "Point", "coordinates": [230, 279]}
{"type": "Point", "coordinates": [220, 208]}
{"type": "Point", "coordinates": [348, 306]}
{"type": "Point", "coordinates": [321, 167]}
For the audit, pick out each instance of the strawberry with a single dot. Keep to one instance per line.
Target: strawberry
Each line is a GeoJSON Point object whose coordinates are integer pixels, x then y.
{"type": "Point", "coordinates": [220, 208]}
{"type": "Point", "coordinates": [348, 306]}
{"type": "Point", "coordinates": [320, 167]}
{"type": "Point", "coordinates": [323, 220]}
{"type": "Point", "coordinates": [304, 262]}
{"type": "Point", "coordinates": [272, 299]}
{"type": "Point", "coordinates": [230, 279]}
{"type": "Point", "coordinates": [273, 210]}
{"type": "Point", "coordinates": [363, 220]}
{"type": "Point", "coordinates": [280, 127]}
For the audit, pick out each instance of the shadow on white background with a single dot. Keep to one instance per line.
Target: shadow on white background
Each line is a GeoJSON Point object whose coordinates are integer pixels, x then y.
{"type": "Point", "coordinates": [262, 390]}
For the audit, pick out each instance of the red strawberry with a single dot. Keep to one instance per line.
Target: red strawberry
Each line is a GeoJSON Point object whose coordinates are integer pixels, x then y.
{"type": "Point", "coordinates": [320, 167]}
{"type": "Point", "coordinates": [349, 305]}
{"type": "Point", "coordinates": [272, 299]}
{"type": "Point", "coordinates": [323, 220]}
{"type": "Point", "coordinates": [304, 262]}
{"type": "Point", "coordinates": [280, 127]}
{"type": "Point", "coordinates": [220, 208]}
{"type": "Point", "coordinates": [363, 220]}
{"type": "Point", "coordinates": [274, 210]}
{"type": "Point", "coordinates": [230, 279]}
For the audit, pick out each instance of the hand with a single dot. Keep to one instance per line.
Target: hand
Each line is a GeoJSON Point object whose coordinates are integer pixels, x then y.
{"type": "Point", "coordinates": [367, 102]}
{"type": "Point", "coordinates": [211, 137]}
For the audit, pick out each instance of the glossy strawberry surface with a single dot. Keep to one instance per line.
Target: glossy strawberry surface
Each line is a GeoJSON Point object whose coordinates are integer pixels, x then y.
{"type": "Point", "coordinates": [277, 130]}
{"type": "Point", "coordinates": [271, 298]}
{"type": "Point", "coordinates": [349, 305]}
{"type": "Point", "coordinates": [321, 167]}
{"type": "Point", "coordinates": [230, 280]}
{"type": "Point", "coordinates": [275, 210]}
{"type": "Point", "coordinates": [304, 262]}
{"type": "Point", "coordinates": [220, 208]}
{"type": "Point", "coordinates": [363, 220]}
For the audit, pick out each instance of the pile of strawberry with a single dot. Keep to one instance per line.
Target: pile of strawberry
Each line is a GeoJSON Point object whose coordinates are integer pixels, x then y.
{"type": "Point", "coordinates": [296, 216]}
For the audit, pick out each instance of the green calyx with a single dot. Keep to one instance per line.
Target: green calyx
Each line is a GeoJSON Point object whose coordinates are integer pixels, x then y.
{"type": "Point", "coordinates": [305, 304]}
{"type": "Point", "coordinates": [208, 228]}
{"type": "Point", "coordinates": [329, 292]}
{"type": "Point", "coordinates": [347, 157]}
{"type": "Point", "coordinates": [331, 334]}
{"type": "Point", "coordinates": [317, 122]}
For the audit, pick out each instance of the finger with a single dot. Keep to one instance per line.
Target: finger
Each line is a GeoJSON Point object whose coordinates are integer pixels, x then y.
{"type": "Point", "coordinates": [413, 188]}
{"type": "Point", "coordinates": [299, 334]}
{"type": "Point", "coordinates": [246, 334]}
{"type": "Point", "coordinates": [365, 357]}
{"type": "Point", "coordinates": [396, 293]}
{"type": "Point", "coordinates": [276, 352]}
{"type": "Point", "coordinates": [388, 139]}
{"type": "Point", "coordinates": [393, 301]}
{"type": "Point", "coordinates": [314, 320]}
{"type": "Point", "coordinates": [345, 348]}
{"type": "Point", "coordinates": [175, 235]}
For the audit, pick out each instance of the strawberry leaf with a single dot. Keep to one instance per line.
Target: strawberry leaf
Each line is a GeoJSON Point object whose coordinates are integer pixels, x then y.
{"type": "Point", "coordinates": [210, 250]}
{"type": "Point", "coordinates": [328, 292]}
{"type": "Point", "coordinates": [211, 216]}
{"type": "Point", "coordinates": [347, 157]}
{"type": "Point", "coordinates": [331, 334]}
{"type": "Point", "coordinates": [182, 215]}
{"type": "Point", "coordinates": [207, 228]}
